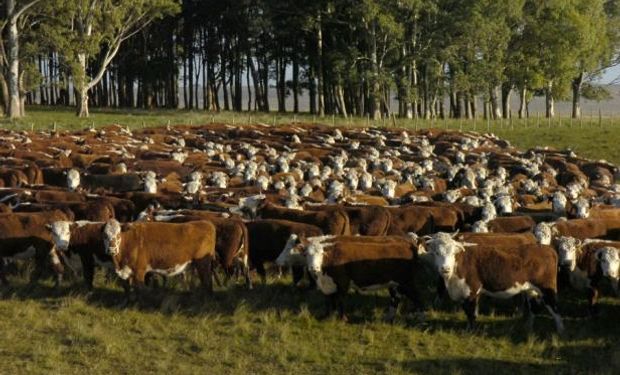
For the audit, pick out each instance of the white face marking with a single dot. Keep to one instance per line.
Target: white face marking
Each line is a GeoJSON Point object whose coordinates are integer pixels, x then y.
{"type": "Point", "coordinates": [112, 237]}
{"type": "Point", "coordinates": [543, 234]}
{"type": "Point", "coordinates": [567, 251]}
{"type": "Point", "coordinates": [61, 234]}
{"type": "Point", "coordinates": [251, 203]}
{"type": "Point", "coordinates": [262, 182]}
{"type": "Point", "coordinates": [150, 186]}
{"type": "Point", "coordinates": [609, 259]}
{"type": "Point", "coordinates": [179, 156]}
{"type": "Point", "coordinates": [504, 203]}
{"type": "Point", "coordinates": [558, 203]}
{"type": "Point", "coordinates": [291, 255]}
{"type": "Point", "coordinates": [444, 250]}
{"type": "Point", "coordinates": [489, 212]}
{"type": "Point", "coordinates": [582, 208]}
{"type": "Point", "coordinates": [73, 179]}
{"type": "Point", "coordinates": [480, 226]}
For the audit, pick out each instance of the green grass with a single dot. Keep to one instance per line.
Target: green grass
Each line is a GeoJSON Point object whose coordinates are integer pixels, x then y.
{"type": "Point", "coordinates": [273, 329]}
{"type": "Point", "coordinates": [591, 137]}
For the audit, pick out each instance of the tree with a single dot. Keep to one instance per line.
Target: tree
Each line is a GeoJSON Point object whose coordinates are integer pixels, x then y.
{"type": "Point", "coordinates": [92, 31]}
{"type": "Point", "coordinates": [14, 12]}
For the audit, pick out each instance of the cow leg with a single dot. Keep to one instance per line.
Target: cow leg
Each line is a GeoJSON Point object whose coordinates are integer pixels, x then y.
{"type": "Point", "coordinates": [260, 269]}
{"type": "Point", "coordinates": [470, 306]}
{"type": "Point", "coordinates": [3, 279]}
{"type": "Point", "coordinates": [248, 279]}
{"type": "Point", "coordinates": [528, 315]}
{"type": "Point", "coordinates": [394, 302]}
{"type": "Point", "coordinates": [204, 267]}
{"type": "Point", "coordinates": [441, 292]}
{"type": "Point", "coordinates": [550, 300]}
{"type": "Point", "coordinates": [88, 268]}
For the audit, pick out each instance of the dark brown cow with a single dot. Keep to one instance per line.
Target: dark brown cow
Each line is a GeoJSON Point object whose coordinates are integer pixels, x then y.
{"type": "Point", "coordinates": [511, 224]}
{"type": "Point", "coordinates": [84, 239]}
{"type": "Point", "coordinates": [269, 237]}
{"type": "Point", "coordinates": [23, 235]}
{"type": "Point", "coordinates": [468, 273]}
{"type": "Point", "coordinates": [408, 219]}
{"type": "Point", "coordinates": [579, 265]}
{"type": "Point", "coordinates": [363, 220]}
{"type": "Point", "coordinates": [334, 222]}
{"type": "Point", "coordinates": [337, 262]}
{"type": "Point", "coordinates": [164, 248]}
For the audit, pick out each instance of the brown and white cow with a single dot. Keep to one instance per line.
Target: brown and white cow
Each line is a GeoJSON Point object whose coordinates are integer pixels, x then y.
{"type": "Point", "coordinates": [586, 263]}
{"type": "Point", "coordinates": [164, 248]}
{"type": "Point", "coordinates": [469, 271]}
{"type": "Point", "coordinates": [368, 263]}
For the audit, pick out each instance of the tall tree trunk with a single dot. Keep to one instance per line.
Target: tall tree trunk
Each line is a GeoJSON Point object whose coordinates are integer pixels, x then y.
{"type": "Point", "coordinates": [12, 44]}
{"type": "Point", "coordinates": [320, 89]}
{"type": "Point", "coordinates": [312, 90]}
{"type": "Point", "coordinates": [576, 84]}
{"type": "Point", "coordinates": [506, 95]}
{"type": "Point", "coordinates": [496, 112]}
{"type": "Point", "coordinates": [549, 101]}
{"type": "Point", "coordinates": [82, 88]}
{"type": "Point", "coordinates": [375, 98]}
{"type": "Point", "coordinates": [295, 84]}
{"type": "Point", "coordinates": [522, 102]}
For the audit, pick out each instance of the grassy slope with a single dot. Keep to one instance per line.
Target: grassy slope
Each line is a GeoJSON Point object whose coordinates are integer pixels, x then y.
{"type": "Point", "coordinates": [273, 329]}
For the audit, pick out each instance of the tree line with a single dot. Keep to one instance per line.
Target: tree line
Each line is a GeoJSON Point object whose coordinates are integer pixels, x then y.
{"type": "Point", "coordinates": [435, 58]}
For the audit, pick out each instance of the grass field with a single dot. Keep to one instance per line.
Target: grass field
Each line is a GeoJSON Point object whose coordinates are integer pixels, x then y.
{"type": "Point", "coordinates": [274, 329]}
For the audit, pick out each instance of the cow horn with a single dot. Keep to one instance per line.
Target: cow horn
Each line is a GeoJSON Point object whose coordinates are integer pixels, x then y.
{"type": "Point", "coordinates": [453, 235]}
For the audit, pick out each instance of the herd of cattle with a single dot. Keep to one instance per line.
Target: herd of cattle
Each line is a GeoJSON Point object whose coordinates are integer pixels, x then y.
{"type": "Point", "coordinates": [363, 208]}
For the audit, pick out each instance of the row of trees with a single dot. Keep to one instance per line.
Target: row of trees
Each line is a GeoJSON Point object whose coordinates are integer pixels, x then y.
{"type": "Point", "coordinates": [352, 57]}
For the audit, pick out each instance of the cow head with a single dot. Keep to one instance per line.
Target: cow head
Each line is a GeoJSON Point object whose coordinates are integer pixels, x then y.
{"type": "Point", "coordinates": [73, 179]}
{"type": "Point", "coordinates": [582, 208]}
{"type": "Point", "coordinates": [112, 237]}
{"type": "Point", "coordinates": [388, 189]}
{"type": "Point", "coordinates": [545, 232]}
{"type": "Point", "coordinates": [559, 202]}
{"type": "Point", "coordinates": [504, 204]}
{"type": "Point", "coordinates": [335, 191]}
{"type": "Point", "coordinates": [568, 248]}
{"type": "Point", "coordinates": [250, 205]}
{"type": "Point", "coordinates": [292, 254]}
{"type": "Point", "coordinates": [61, 234]}
{"type": "Point", "coordinates": [366, 180]}
{"type": "Point", "coordinates": [444, 249]}
{"type": "Point", "coordinates": [489, 212]}
{"type": "Point", "coordinates": [609, 261]}
{"type": "Point", "coordinates": [480, 226]}
{"type": "Point", "coordinates": [150, 182]}
{"type": "Point", "coordinates": [452, 196]}
{"type": "Point", "coordinates": [573, 190]}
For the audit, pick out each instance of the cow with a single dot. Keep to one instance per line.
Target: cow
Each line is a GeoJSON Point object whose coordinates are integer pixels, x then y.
{"type": "Point", "coordinates": [232, 240]}
{"type": "Point", "coordinates": [163, 248]}
{"type": "Point", "coordinates": [469, 271]}
{"type": "Point", "coordinates": [408, 219]}
{"type": "Point", "coordinates": [583, 264]}
{"type": "Point", "coordinates": [268, 237]}
{"type": "Point", "coordinates": [334, 222]}
{"type": "Point", "coordinates": [511, 224]}
{"type": "Point", "coordinates": [23, 235]}
{"type": "Point", "coordinates": [338, 262]}
{"type": "Point", "coordinates": [363, 220]}
{"type": "Point", "coordinates": [84, 239]}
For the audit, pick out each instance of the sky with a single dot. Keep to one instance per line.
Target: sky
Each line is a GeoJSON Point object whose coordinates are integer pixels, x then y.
{"type": "Point", "coordinates": [611, 74]}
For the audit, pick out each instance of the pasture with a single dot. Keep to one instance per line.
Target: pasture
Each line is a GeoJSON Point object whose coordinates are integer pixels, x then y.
{"type": "Point", "coordinates": [275, 328]}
